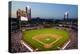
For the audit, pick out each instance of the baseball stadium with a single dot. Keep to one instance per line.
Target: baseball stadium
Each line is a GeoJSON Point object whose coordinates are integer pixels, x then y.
{"type": "Point", "coordinates": [46, 39]}
{"type": "Point", "coordinates": [42, 33]}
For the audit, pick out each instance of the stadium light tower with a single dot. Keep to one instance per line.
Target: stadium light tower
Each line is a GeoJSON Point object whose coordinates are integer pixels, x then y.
{"type": "Point", "coordinates": [28, 7]}
{"type": "Point", "coordinates": [66, 16]}
{"type": "Point", "coordinates": [28, 11]}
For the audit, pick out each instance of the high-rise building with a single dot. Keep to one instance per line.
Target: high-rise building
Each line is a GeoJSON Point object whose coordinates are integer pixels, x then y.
{"type": "Point", "coordinates": [22, 14]}
{"type": "Point", "coordinates": [18, 13]}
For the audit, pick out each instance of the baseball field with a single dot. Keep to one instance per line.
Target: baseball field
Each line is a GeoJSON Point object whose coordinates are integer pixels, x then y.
{"type": "Point", "coordinates": [45, 39]}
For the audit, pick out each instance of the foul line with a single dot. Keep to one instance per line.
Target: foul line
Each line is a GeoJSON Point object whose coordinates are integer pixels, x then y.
{"type": "Point", "coordinates": [66, 45]}
{"type": "Point", "coordinates": [27, 46]}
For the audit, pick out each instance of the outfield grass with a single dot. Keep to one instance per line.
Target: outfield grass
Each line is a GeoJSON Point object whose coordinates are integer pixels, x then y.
{"type": "Point", "coordinates": [27, 37]}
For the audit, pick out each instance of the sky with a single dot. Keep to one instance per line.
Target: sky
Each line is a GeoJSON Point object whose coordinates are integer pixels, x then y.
{"type": "Point", "coordinates": [45, 10]}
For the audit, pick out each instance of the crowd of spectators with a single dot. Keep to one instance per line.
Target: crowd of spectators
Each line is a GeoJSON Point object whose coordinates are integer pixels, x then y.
{"type": "Point", "coordinates": [16, 45]}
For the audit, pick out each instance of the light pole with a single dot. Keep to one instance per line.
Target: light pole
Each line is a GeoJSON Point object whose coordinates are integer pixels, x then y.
{"type": "Point", "coordinates": [66, 16]}
{"type": "Point", "coordinates": [28, 11]}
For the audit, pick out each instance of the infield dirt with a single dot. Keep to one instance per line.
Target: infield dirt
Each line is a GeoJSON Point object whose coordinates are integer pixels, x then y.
{"type": "Point", "coordinates": [40, 37]}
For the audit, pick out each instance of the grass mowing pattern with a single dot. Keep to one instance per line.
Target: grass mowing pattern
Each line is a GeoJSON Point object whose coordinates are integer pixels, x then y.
{"type": "Point", "coordinates": [27, 37]}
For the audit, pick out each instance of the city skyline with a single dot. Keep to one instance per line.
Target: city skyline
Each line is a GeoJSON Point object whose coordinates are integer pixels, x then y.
{"type": "Point", "coordinates": [46, 10]}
